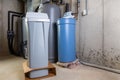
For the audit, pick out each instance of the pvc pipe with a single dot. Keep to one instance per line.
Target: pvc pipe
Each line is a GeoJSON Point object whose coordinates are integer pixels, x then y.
{"type": "Point", "coordinates": [101, 67]}
{"type": "Point", "coordinates": [10, 32]}
{"type": "Point", "coordinates": [9, 16]}
{"type": "Point", "coordinates": [86, 6]}
{"type": "Point", "coordinates": [85, 11]}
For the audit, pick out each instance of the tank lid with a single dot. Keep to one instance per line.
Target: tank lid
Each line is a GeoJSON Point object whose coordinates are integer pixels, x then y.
{"type": "Point", "coordinates": [35, 16]}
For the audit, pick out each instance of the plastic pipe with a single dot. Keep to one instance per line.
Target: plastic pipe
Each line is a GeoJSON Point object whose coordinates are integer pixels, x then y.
{"type": "Point", "coordinates": [85, 11]}
{"type": "Point", "coordinates": [101, 67]}
{"type": "Point", "coordinates": [86, 6]}
{"type": "Point", "coordinates": [10, 32]}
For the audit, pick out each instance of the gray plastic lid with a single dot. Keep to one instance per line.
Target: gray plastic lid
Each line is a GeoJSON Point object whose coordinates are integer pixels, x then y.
{"type": "Point", "coordinates": [35, 16]}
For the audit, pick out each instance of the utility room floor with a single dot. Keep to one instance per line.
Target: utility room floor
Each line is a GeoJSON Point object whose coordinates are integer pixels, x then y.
{"type": "Point", "coordinates": [11, 69]}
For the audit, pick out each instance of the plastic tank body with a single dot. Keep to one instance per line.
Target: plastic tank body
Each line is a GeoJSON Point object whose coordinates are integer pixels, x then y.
{"type": "Point", "coordinates": [38, 27]}
{"type": "Point", "coordinates": [66, 40]}
{"type": "Point", "coordinates": [54, 13]}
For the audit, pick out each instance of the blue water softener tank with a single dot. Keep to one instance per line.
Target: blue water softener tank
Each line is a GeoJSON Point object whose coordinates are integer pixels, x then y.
{"type": "Point", "coordinates": [66, 40]}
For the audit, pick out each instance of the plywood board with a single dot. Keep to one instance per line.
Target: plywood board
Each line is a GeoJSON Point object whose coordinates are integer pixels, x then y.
{"type": "Point", "coordinates": [51, 69]}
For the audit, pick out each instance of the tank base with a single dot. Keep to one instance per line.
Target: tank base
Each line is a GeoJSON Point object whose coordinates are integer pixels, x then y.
{"type": "Point", "coordinates": [27, 70]}
{"type": "Point", "coordinates": [69, 65]}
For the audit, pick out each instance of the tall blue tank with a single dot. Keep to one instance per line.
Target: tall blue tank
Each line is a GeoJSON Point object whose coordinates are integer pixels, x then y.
{"type": "Point", "coordinates": [66, 40]}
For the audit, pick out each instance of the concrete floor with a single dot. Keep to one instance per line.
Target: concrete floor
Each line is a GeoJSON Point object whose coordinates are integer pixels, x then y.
{"type": "Point", "coordinates": [11, 69]}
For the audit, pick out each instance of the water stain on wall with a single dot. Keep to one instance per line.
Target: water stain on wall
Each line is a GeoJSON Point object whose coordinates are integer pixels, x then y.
{"type": "Point", "coordinates": [103, 58]}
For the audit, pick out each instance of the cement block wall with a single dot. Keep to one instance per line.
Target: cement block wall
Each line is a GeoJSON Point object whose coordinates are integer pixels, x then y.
{"type": "Point", "coordinates": [100, 33]}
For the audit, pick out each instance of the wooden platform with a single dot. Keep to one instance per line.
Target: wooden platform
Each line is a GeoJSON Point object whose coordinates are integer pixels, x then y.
{"type": "Point", "coordinates": [27, 70]}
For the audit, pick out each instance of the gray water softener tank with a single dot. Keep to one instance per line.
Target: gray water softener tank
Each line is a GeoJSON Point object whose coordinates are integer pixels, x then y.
{"type": "Point", "coordinates": [38, 27]}
{"type": "Point", "coordinates": [54, 13]}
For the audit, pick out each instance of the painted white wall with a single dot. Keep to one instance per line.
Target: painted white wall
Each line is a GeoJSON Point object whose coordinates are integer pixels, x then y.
{"type": "Point", "coordinates": [112, 32]}
{"type": "Point", "coordinates": [100, 33]}
{"type": "Point", "coordinates": [91, 30]}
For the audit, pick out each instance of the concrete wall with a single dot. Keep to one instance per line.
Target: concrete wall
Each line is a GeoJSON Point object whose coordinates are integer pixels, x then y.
{"type": "Point", "coordinates": [100, 33]}
{"type": "Point", "coordinates": [6, 5]}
